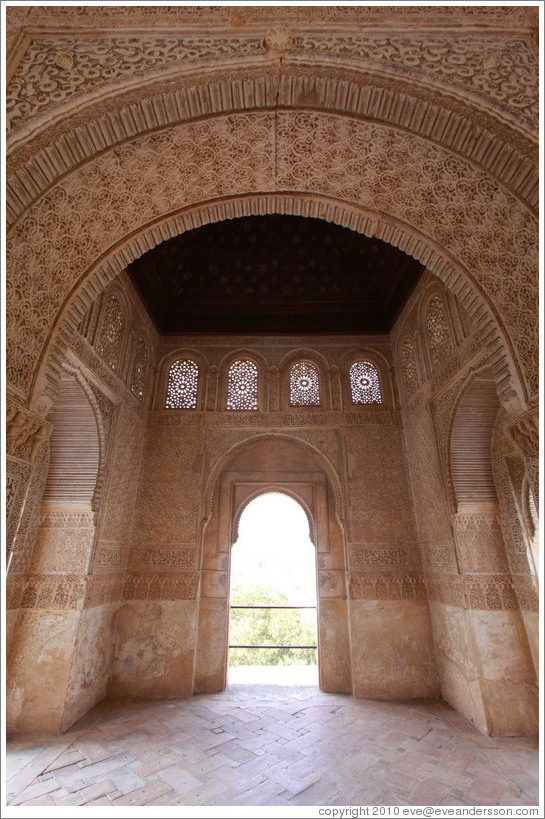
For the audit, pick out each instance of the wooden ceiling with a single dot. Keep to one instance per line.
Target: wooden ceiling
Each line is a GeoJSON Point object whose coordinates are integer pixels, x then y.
{"type": "Point", "coordinates": [274, 274]}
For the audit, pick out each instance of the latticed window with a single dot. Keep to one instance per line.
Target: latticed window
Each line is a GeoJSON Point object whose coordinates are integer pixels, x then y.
{"type": "Point", "coordinates": [304, 385]}
{"type": "Point", "coordinates": [438, 330]}
{"type": "Point", "coordinates": [242, 385]}
{"type": "Point", "coordinates": [183, 381]}
{"type": "Point", "coordinates": [364, 383]}
{"type": "Point", "coordinates": [110, 333]}
{"type": "Point", "coordinates": [139, 368]}
{"type": "Point", "coordinates": [408, 365]}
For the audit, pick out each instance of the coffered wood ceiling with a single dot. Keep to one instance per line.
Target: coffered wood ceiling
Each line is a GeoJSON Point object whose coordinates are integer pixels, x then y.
{"type": "Point", "coordinates": [274, 274]}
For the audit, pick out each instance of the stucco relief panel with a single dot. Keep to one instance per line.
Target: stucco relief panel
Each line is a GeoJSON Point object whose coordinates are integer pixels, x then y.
{"type": "Point", "coordinates": [122, 478]}
{"type": "Point", "coordinates": [121, 190]}
{"type": "Point", "coordinates": [480, 543]}
{"type": "Point", "coordinates": [377, 483]}
{"type": "Point", "coordinates": [502, 72]}
{"type": "Point", "coordinates": [460, 207]}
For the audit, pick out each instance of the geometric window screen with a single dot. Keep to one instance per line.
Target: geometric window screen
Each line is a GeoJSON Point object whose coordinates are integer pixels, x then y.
{"type": "Point", "coordinates": [242, 385]}
{"type": "Point", "coordinates": [183, 380]}
{"type": "Point", "coordinates": [139, 368]}
{"type": "Point", "coordinates": [408, 364]}
{"type": "Point", "coordinates": [364, 383]}
{"type": "Point", "coordinates": [438, 330]}
{"type": "Point", "coordinates": [110, 333]}
{"type": "Point", "coordinates": [304, 385]}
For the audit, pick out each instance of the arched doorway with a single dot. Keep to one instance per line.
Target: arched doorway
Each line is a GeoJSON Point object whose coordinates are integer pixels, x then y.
{"type": "Point", "coordinates": [290, 466]}
{"type": "Point", "coordinates": [272, 628]}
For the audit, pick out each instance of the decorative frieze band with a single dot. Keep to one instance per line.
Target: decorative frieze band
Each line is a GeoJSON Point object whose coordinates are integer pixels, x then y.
{"type": "Point", "coordinates": [387, 586]}
{"type": "Point", "coordinates": [110, 557]}
{"type": "Point", "coordinates": [66, 519]}
{"type": "Point", "coordinates": [363, 416]}
{"type": "Point", "coordinates": [46, 592]}
{"type": "Point", "coordinates": [440, 557]}
{"type": "Point", "coordinates": [527, 593]}
{"type": "Point", "coordinates": [489, 592]}
{"type": "Point", "coordinates": [166, 558]}
{"type": "Point", "coordinates": [379, 555]}
{"type": "Point", "coordinates": [103, 591]}
{"type": "Point", "coordinates": [161, 586]}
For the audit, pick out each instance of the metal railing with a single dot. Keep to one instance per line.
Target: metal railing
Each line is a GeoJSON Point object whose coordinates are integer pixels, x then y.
{"type": "Point", "coordinates": [272, 607]}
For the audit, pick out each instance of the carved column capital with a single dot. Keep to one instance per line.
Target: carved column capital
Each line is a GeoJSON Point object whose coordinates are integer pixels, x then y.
{"type": "Point", "coordinates": [25, 430]}
{"type": "Point", "coordinates": [524, 432]}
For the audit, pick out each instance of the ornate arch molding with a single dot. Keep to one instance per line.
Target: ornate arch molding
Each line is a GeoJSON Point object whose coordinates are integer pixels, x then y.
{"type": "Point", "coordinates": [222, 464]}
{"type": "Point", "coordinates": [58, 141]}
{"type": "Point", "coordinates": [279, 490]}
{"type": "Point", "coordinates": [362, 220]}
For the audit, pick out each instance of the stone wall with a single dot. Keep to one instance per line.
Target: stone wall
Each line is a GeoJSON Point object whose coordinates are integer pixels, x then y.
{"type": "Point", "coordinates": [483, 629]}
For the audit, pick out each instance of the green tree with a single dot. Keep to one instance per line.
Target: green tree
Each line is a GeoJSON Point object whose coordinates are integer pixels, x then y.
{"type": "Point", "coordinates": [278, 627]}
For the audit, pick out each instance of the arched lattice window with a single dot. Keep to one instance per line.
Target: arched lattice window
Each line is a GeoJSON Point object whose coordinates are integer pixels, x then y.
{"type": "Point", "coordinates": [111, 332]}
{"type": "Point", "coordinates": [242, 385]}
{"type": "Point", "coordinates": [139, 369]}
{"type": "Point", "coordinates": [438, 330]}
{"type": "Point", "coordinates": [364, 383]}
{"type": "Point", "coordinates": [408, 366]}
{"type": "Point", "coordinates": [304, 385]}
{"type": "Point", "coordinates": [533, 521]}
{"type": "Point", "coordinates": [183, 381]}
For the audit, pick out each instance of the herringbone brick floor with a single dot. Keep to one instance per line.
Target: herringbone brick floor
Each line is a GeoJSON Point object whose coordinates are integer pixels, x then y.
{"type": "Point", "coordinates": [271, 745]}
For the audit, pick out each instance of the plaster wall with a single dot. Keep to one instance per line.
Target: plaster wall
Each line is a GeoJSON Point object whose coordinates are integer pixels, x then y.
{"type": "Point", "coordinates": [364, 553]}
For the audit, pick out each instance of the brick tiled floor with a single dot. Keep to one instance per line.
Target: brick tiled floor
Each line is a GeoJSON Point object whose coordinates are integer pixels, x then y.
{"type": "Point", "coordinates": [271, 745]}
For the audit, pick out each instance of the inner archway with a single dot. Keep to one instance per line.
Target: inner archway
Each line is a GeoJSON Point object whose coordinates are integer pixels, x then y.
{"type": "Point", "coordinates": [273, 599]}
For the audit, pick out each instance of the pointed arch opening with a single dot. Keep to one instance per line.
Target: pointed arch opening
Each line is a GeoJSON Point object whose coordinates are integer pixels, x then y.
{"type": "Point", "coordinates": [273, 594]}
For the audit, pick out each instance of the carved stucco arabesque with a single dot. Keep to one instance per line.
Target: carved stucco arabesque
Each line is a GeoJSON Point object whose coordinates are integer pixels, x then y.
{"type": "Point", "coordinates": [57, 69]}
{"type": "Point", "coordinates": [457, 206]}
{"type": "Point", "coordinates": [317, 154]}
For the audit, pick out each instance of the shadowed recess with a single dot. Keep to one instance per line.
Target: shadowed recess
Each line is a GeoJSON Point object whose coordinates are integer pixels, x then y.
{"type": "Point", "coordinates": [274, 274]}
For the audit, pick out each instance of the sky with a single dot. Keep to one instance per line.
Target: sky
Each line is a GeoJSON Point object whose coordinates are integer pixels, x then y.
{"type": "Point", "coordinates": [274, 548]}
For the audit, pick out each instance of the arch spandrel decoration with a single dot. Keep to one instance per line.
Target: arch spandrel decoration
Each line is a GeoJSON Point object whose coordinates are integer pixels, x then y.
{"type": "Point", "coordinates": [364, 221]}
{"type": "Point", "coordinates": [222, 464]}
{"type": "Point", "coordinates": [397, 90]}
{"type": "Point", "coordinates": [365, 152]}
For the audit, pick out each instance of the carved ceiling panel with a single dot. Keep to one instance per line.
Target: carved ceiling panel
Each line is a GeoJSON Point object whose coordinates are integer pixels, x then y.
{"type": "Point", "coordinates": [274, 274]}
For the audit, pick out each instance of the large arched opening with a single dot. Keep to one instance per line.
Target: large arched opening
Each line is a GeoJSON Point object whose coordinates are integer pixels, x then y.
{"type": "Point", "coordinates": [273, 582]}
{"type": "Point", "coordinates": [273, 463]}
